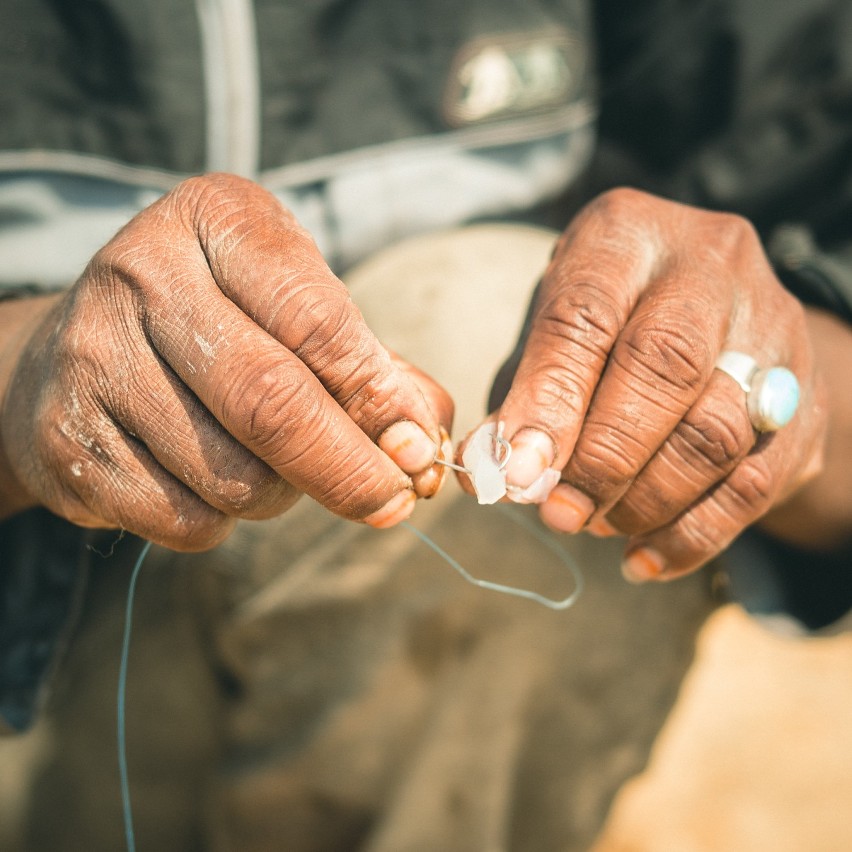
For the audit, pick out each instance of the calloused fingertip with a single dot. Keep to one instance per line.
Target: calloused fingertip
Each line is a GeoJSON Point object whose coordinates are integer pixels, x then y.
{"type": "Point", "coordinates": [396, 510]}
{"type": "Point", "coordinates": [643, 564]}
{"type": "Point", "coordinates": [428, 483]}
{"type": "Point", "coordinates": [600, 527]}
{"type": "Point", "coordinates": [566, 509]}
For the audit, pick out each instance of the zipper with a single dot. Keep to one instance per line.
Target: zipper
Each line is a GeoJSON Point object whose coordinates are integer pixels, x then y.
{"type": "Point", "coordinates": [231, 84]}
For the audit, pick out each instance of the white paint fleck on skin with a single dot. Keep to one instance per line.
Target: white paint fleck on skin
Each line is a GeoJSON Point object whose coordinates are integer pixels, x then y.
{"type": "Point", "coordinates": [75, 402]}
{"type": "Point", "coordinates": [76, 469]}
{"type": "Point", "coordinates": [68, 431]}
{"type": "Point", "coordinates": [68, 427]}
{"type": "Point", "coordinates": [206, 348]}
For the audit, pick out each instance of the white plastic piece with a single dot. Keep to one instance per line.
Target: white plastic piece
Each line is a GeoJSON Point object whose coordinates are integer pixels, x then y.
{"type": "Point", "coordinates": [486, 471]}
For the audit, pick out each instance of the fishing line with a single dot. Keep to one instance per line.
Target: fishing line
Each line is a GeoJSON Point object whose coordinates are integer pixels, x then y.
{"type": "Point", "coordinates": [122, 690]}
{"type": "Point", "coordinates": [515, 591]}
{"type": "Point", "coordinates": [527, 594]}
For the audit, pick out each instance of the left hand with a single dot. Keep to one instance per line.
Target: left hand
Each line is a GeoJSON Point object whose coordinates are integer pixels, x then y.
{"type": "Point", "coordinates": [616, 387]}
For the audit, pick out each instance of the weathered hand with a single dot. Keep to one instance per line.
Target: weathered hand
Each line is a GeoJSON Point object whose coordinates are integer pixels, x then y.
{"type": "Point", "coordinates": [616, 388]}
{"type": "Point", "coordinates": [208, 366]}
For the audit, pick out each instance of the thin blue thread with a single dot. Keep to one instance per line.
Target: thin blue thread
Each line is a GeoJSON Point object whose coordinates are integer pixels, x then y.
{"type": "Point", "coordinates": [121, 702]}
{"type": "Point", "coordinates": [528, 594]}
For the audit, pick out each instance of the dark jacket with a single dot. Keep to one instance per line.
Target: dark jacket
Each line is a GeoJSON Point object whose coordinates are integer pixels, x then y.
{"type": "Point", "coordinates": [742, 106]}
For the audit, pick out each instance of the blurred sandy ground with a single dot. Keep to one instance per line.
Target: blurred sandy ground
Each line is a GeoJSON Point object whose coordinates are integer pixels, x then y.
{"type": "Point", "coordinates": [757, 754]}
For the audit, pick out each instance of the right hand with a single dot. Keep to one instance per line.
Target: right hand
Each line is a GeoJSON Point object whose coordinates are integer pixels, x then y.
{"type": "Point", "coordinates": [208, 366]}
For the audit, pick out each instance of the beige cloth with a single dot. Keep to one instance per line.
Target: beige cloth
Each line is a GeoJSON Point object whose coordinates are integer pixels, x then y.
{"type": "Point", "coordinates": [313, 684]}
{"type": "Point", "coordinates": [757, 755]}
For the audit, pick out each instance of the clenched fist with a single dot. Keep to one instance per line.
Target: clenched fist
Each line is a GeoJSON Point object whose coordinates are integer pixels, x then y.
{"type": "Point", "coordinates": [208, 366]}
{"type": "Point", "coordinates": [617, 418]}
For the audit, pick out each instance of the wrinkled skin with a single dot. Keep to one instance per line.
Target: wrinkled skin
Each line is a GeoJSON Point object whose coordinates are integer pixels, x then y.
{"type": "Point", "coordinates": [615, 385]}
{"type": "Point", "coordinates": [208, 366]}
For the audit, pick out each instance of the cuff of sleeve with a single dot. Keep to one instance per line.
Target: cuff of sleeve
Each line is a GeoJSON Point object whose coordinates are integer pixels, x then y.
{"type": "Point", "coordinates": [815, 277]}
{"type": "Point", "coordinates": [43, 563]}
{"type": "Point", "coordinates": [776, 581]}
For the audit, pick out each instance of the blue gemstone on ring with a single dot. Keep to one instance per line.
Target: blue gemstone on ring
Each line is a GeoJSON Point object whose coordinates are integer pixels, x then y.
{"type": "Point", "coordinates": [773, 398]}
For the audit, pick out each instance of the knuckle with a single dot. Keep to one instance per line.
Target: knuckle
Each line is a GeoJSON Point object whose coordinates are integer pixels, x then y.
{"type": "Point", "coordinates": [727, 235]}
{"type": "Point", "coordinates": [266, 405]}
{"type": "Point", "coordinates": [122, 262]}
{"type": "Point", "coordinates": [605, 459]}
{"type": "Point", "coordinates": [557, 393]}
{"type": "Point", "coordinates": [618, 202]}
{"type": "Point", "coordinates": [215, 206]}
{"type": "Point", "coordinates": [199, 192]}
{"type": "Point", "coordinates": [326, 326]}
{"type": "Point", "coordinates": [582, 315]}
{"type": "Point", "coordinates": [740, 500]}
{"type": "Point", "coordinates": [355, 369]}
{"type": "Point", "coordinates": [368, 397]}
{"type": "Point", "coordinates": [143, 265]}
{"type": "Point", "coordinates": [698, 538]}
{"type": "Point", "coordinates": [668, 358]}
{"type": "Point", "coordinates": [354, 490]}
{"type": "Point", "coordinates": [346, 495]}
{"type": "Point", "coordinates": [752, 489]}
{"type": "Point", "coordinates": [735, 230]}
{"type": "Point", "coordinates": [720, 437]}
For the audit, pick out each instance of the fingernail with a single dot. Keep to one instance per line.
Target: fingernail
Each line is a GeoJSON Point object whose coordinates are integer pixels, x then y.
{"type": "Point", "coordinates": [408, 445]}
{"type": "Point", "coordinates": [397, 509]}
{"type": "Point", "coordinates": [601, 528]}
{"type": "Point", "coordinates": [532, 455]}
{"type": "Point", "coordinates": [428, 482]}
{"type": "Point", "coordinates": [538, 492]}
{"type": "Point", "coordinates": [566, 509]}
{"type": "Point", "coordinates": [643, 564]}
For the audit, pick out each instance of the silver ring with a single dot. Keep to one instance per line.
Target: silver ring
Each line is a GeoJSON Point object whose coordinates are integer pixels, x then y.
{"type": "Point", "coordinates": [772, 393]}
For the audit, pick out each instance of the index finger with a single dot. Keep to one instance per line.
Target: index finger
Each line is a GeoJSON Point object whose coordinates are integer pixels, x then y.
{"type": "Point", "coordinates": [586, 297]}
{"type": "Point", "coordinates": [269, 266]}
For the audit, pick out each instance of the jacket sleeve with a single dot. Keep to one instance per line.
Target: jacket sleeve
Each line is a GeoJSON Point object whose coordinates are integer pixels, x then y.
{"type": "Point", "coordinates": [711, 106]}
{"type": "Point", "coordinates": [43, 565]}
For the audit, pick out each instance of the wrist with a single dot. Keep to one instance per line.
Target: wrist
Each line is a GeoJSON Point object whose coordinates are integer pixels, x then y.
{"type": "Point", "coordinates": [818, 515]}
{"type": "Point", "coordinates": [19, 318]}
